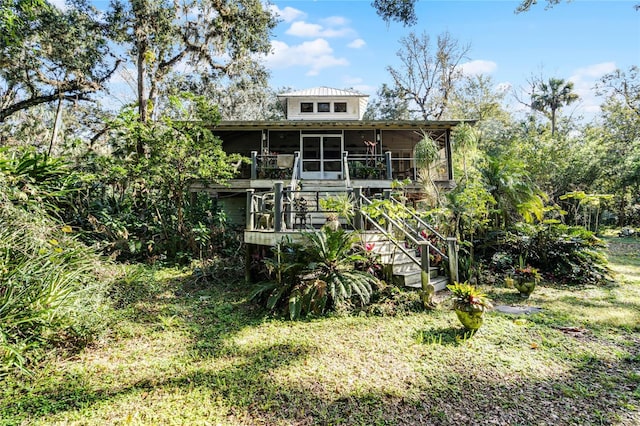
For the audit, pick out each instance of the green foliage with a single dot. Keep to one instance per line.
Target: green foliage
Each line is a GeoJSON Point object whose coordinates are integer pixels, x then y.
{"type": "Point", "coordinates": [511, 187]}
{"type": "Point", "coordinates": [132, 284]}
{"type": "Point", "coordinates": [32, 179]}
{"type": "Point", "coordinates": [139, 205]}
{"type": "Point", "coordinates": [49, 54]}
{"type": "Point", "coordinates": [49, 288]}
{"type": "Point", "coordinates": [397, 10]}
{"type": "Point", "coordinates": [569, 254]}
{"type": "Point", "coordinates": [549, 97]}
{"type": "Point", "coordinates": [283, 269]}
{"type": "Point", "coordinates": [317, 276]}
{"type": "Point", "coordinates": [333, 260]}
{"type": "Point", "coordinates": [469, 298]}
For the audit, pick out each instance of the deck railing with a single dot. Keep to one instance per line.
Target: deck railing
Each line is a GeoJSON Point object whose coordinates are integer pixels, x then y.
{"type": "Point", "coordinates": [290, 209]}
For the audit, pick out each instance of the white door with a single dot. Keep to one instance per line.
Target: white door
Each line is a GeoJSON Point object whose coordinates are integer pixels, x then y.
{"type": "Point", "coordinates": [321, 156]}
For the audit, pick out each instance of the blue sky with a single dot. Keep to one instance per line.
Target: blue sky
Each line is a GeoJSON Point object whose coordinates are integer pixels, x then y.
{"type": "Point", "coordinates": [345, 44]}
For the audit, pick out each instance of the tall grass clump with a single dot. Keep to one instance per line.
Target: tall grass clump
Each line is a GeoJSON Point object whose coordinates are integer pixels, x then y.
{"type": "Point", "coordinates": [50, 294]}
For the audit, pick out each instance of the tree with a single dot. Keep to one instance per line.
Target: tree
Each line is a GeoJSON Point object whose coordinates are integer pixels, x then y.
{"type": "Point", "coordinates": [57, 56]}
{"type": "Point", "coordinates": [389, 104]}
{"type": "Point", "coordinates": [619, 139]}
{"type": "Point", "coordinates": [526, 5]}
{"type": "Point", "coordinates": [403, 11]}
{"type": "Point", "coordinates": [623, 87]}
{"type": "Point", "coordinates": [549, 97]}
{"type": "Point", "coordinates": [213, 37]}
{"type": "Point", "coordinates": [428, 78]}
{"type": "Point", "coordinates": [511, 187]}
{"type": "Point", "coordinates": [478, 98]}
{"type": "Point", "coordinates": [15, 18]}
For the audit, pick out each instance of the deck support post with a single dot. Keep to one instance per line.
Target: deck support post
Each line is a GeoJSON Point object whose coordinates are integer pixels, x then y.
{"type": "Point", "coordinates": [452, 252]}
{"type": "Point", "coordinates": [249, 214]}
{"type": "Point", "coordinates": [277, 208]}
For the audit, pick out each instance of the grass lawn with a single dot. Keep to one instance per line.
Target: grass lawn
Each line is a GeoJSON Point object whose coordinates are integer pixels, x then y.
{"type": "Point", "coordinates": [197, 353]}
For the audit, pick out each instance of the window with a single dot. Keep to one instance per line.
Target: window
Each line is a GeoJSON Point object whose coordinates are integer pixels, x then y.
{"type": "Point", "coordinates": [324, 107]}
{"type": "Point", "coordinates": [306, 106]}
{"type": "Point", "coordinates": [340, 107]}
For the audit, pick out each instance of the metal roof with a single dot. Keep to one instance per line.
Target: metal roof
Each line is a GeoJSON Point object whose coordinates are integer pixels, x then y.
{"type": "Point", "coordinates": [345, 124]}
{"type": "Point", "coordinates": [322, 91]}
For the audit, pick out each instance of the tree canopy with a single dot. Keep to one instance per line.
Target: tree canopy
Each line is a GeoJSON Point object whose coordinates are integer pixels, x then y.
{"type": "Point", "coordinates": [58, 55]}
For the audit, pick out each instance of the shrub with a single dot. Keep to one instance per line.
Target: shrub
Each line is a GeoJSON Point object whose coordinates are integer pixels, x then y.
{"type": "Point", "coordinates": [569, 254]}
{"type": "Point", "coordinates": [49, 290]}
{"type": "Point", "coordinates": [317, 276]}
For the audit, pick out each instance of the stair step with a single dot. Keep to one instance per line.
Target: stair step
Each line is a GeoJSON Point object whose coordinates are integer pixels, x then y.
{"type": "Point", "coordinates": [415, 281]}
{"type": "Point", "coordinates": [411, 268]}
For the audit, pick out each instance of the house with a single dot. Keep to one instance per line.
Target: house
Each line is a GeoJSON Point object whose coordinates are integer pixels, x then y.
{"type": "Point", "coordinates": [323, 147]}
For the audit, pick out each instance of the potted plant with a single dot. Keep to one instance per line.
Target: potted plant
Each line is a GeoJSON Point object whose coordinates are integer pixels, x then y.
{"type": "Point", "coordinates": [470, 304]}
{"type": "Point", "coordinates": [525, 279]}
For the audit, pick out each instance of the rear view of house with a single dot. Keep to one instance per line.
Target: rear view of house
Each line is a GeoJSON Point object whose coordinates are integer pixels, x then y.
{"type": "Point", "coordinates": [323, 148]}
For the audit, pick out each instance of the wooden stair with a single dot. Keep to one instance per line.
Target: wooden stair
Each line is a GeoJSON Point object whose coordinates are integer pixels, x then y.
{"type": "Point", "coordinates": [402, 270]}
{"type": "Point", "coordinates": [324, 189]}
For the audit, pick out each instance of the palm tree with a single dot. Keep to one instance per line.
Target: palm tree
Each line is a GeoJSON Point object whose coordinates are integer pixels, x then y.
{"type": "Point", "coordinates": [551, 97]}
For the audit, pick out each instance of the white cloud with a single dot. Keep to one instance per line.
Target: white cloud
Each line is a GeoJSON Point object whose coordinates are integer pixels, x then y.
{"type": "Point", "coordinates": [596, 70]}
{"type": "Point", "coordinates": [305, 29]}
{"type": "Point", "coordinates": [288, 14]}
{"type": "Point", "coordinates": [357, 83]}
{"type": "Point", "coordinates": [335, 21]}
{"type": "Point", "coordinates": [478, 66]}
{"type": "Point", "coordinates": [584, 79]}
{"type": "Point", "coordinates": [314, 55]}
{"type": "Point", "coordinates": [357, 43]}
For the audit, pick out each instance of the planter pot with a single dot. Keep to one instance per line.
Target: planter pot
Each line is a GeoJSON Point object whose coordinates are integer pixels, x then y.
{"type": "Point", "coordinates": [525, 286]}
{"type": "Point", "coordinates": [471, 320]}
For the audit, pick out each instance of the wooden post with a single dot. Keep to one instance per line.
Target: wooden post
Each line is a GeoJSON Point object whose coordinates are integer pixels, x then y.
{"type": "Point", "coordinates": [254, 165]}
{"type": "Point", "coordinates": [249, 214]}
{"type": "Point", "coordinates": [249, 250]}
{"type": "Point", "coordinates": [425, 260]}
{"type": "Point", "coordinates": [387, 156]}
{"type": "Point", "coordinates": [386, 195]}
{"type": "Point", "coordinates": [452, 252]}
{"type": "Point", "coordinates": [277, 208]}
{"type": "Point", "coordinates": [296, 160]}
{"type": "Point", "coordinates": [288, 215]}
{"type": "Point", "coordinates": [357, 205]}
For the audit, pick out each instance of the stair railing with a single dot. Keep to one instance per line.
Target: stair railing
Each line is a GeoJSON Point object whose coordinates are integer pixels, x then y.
{"type": "Point", "coordinates": [422, 224]}
{"type": "Point", "coordinates": [451, 242]}
{"type": "Point", "coordinates": [413, 236]}
{"type": "Point", "coordinates": [424, 263]}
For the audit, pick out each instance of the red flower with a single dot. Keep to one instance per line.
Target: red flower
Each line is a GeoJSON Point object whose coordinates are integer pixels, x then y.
{"type": "Point", "coordinates": [369, 246]}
